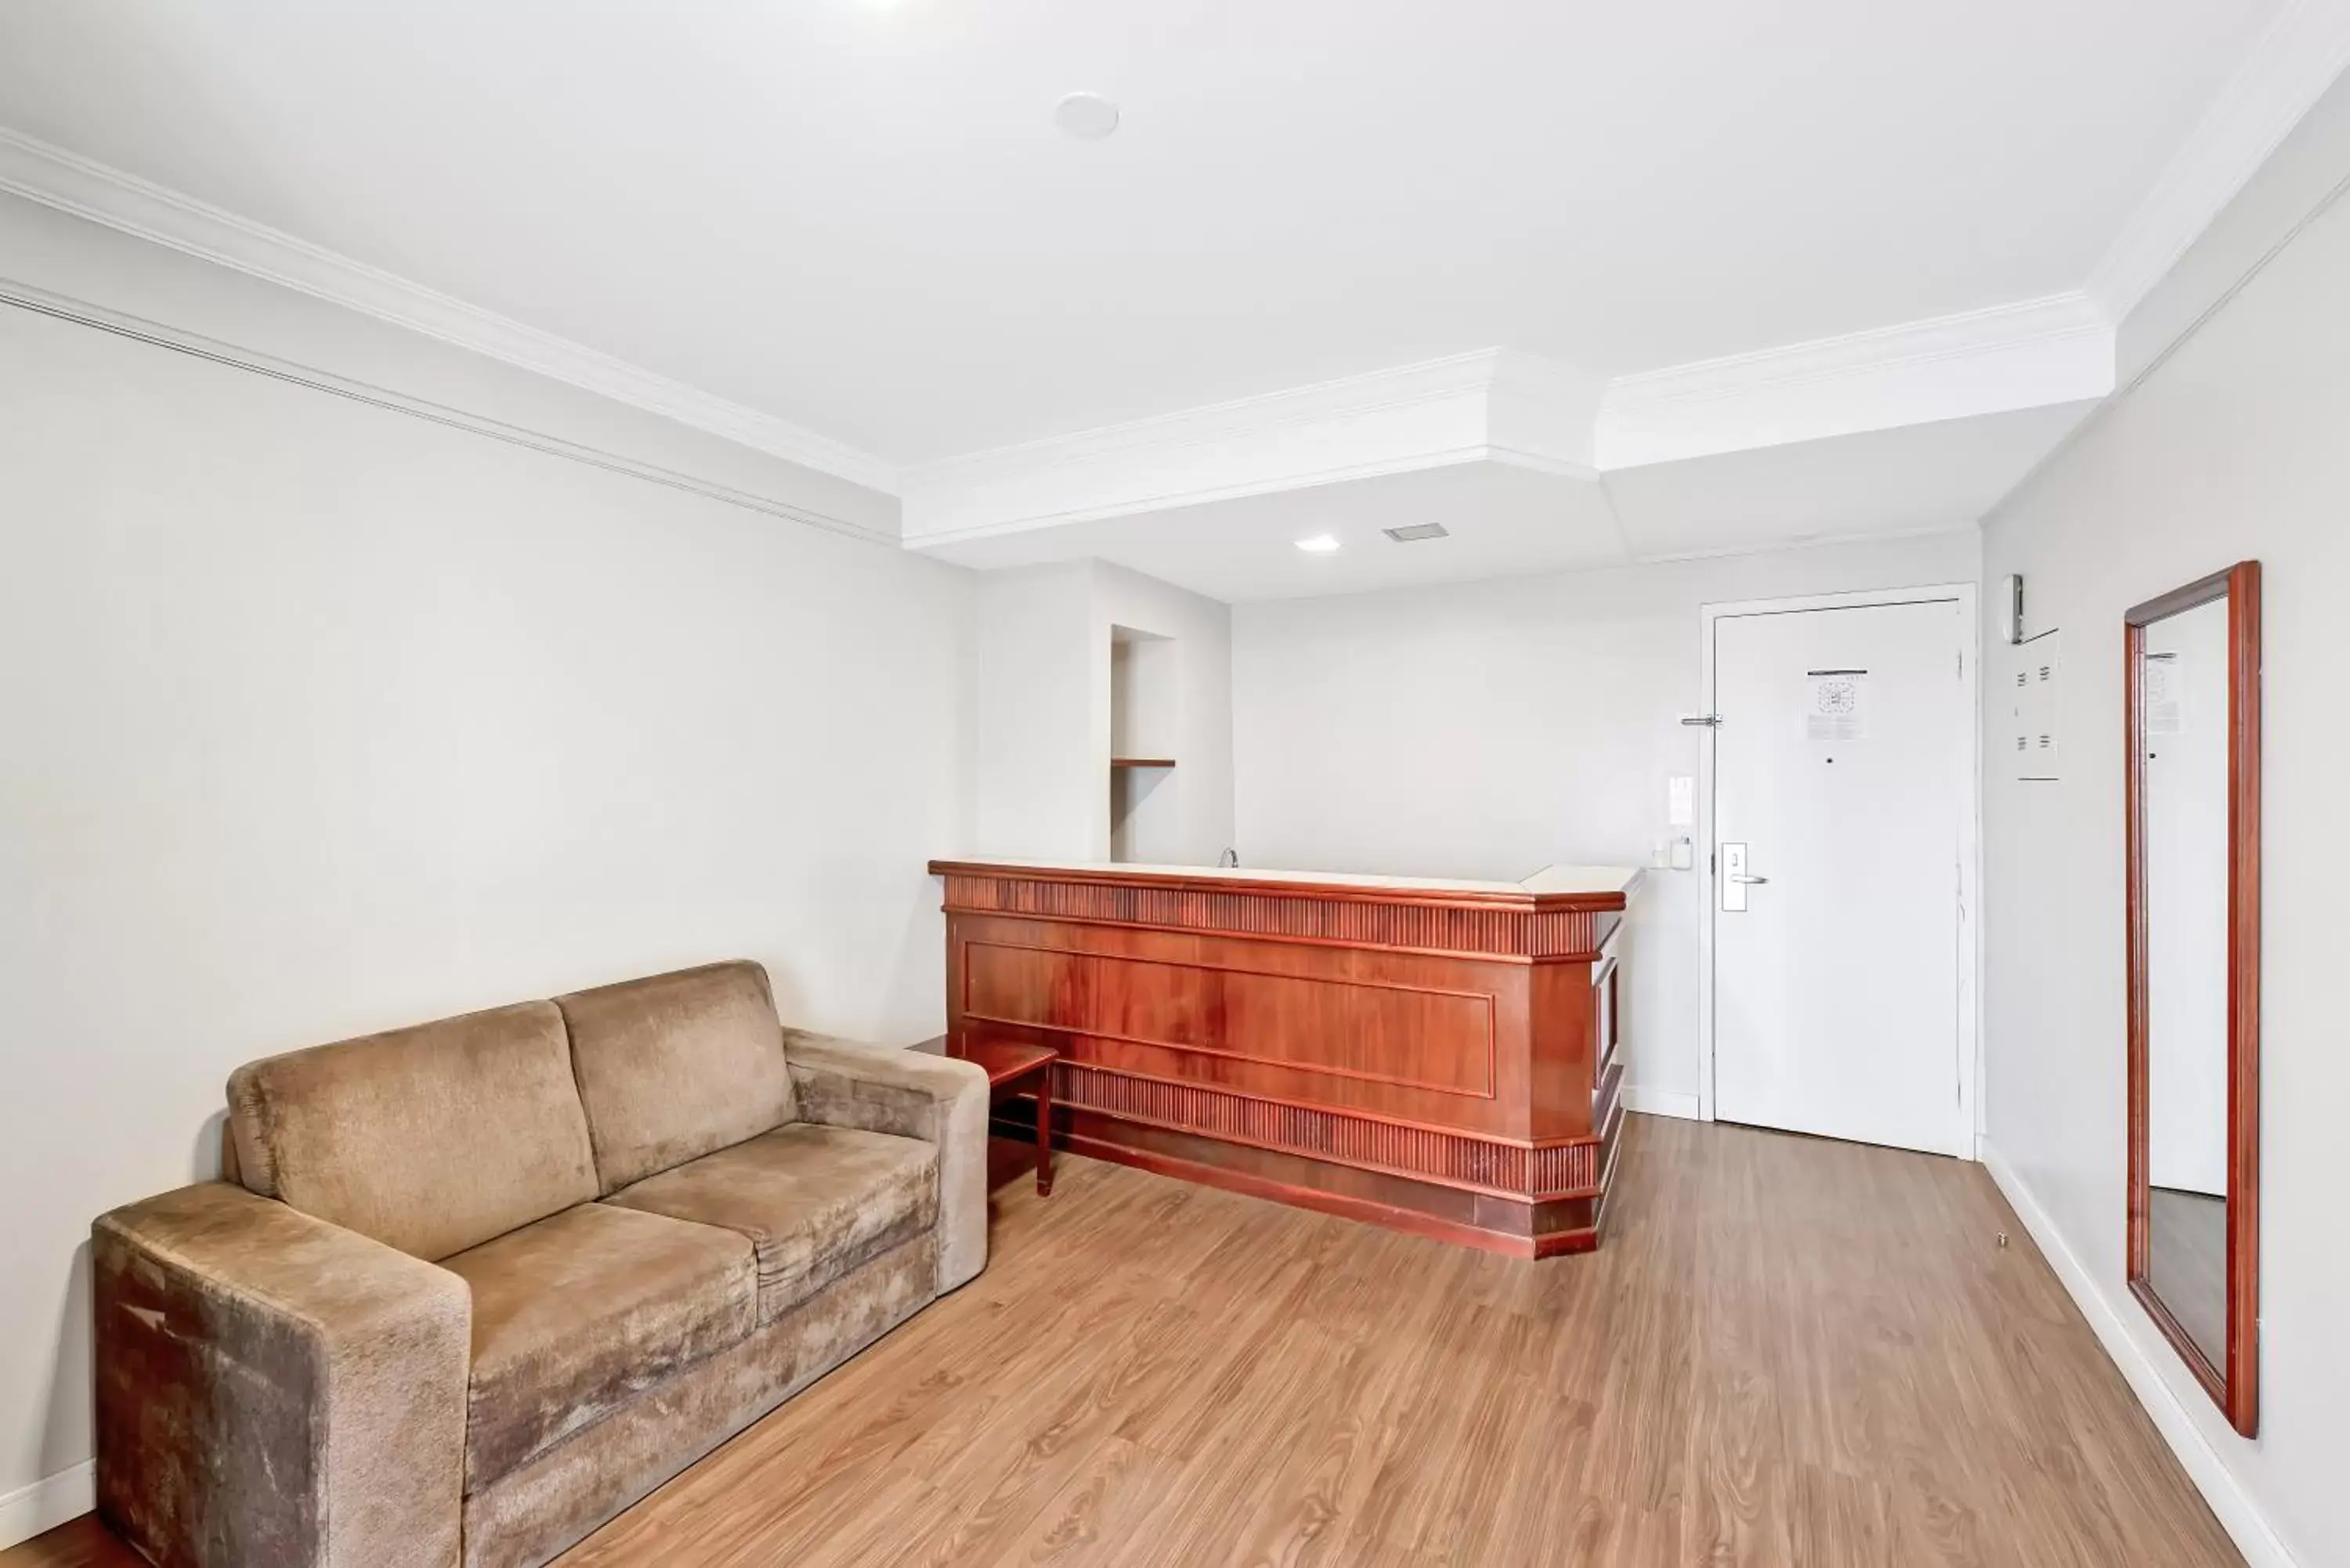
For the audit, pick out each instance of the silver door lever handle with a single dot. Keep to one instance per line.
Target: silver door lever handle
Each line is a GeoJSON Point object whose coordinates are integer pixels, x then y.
{"type": "Point", "coordinates": [1749, 881]}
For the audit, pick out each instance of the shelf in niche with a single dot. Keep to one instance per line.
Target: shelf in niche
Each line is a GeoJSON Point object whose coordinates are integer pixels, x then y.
{"type": "Point", "coordinates": [1142, 761]}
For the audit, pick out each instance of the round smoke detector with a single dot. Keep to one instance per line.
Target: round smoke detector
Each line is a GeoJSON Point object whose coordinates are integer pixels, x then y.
{"type": "Point", "coordinates": [1087, 116]}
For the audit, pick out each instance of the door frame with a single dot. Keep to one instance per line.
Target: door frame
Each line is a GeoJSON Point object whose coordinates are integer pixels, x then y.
{"type": "Point", "coordinates": [1966, 784]}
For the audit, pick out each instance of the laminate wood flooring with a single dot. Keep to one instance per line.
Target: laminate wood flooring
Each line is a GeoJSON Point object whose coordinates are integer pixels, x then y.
{"type": "Point", "coordinates": [1789, 1351]}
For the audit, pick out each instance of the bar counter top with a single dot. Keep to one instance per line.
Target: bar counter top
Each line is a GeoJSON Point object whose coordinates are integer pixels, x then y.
{"type": "Point", "coordinates": [1596, 882]}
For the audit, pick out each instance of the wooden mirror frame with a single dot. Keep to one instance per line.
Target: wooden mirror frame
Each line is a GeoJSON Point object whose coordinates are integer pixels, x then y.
{"type": "Point", "coordinates": [2235, 1386]}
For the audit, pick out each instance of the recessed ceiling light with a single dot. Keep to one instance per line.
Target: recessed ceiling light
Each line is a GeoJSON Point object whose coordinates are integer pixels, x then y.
{"type": "Point", "coordinates": [1412, 532]}
{"type": "Point", "coordinates": [1087, 116]}
{"type": "Point", "coordinates": [1319, 545]}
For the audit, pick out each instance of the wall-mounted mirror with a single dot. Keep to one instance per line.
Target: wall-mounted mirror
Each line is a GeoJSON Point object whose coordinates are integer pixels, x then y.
{"type": "Point", "coordinates": [2193, 699]}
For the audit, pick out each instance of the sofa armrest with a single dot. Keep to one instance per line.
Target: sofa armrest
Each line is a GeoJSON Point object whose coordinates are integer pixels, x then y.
{"type": "Point", "coordinates": [273, 1388]}
{"type": "Point", "coordinates": [938, 1099]}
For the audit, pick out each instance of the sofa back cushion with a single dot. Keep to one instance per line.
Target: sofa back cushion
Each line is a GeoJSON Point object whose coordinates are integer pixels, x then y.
{"type": "Point", "coordinates": [430, 1139]}
{"type": "Point", "coordinates": [678, 1066]}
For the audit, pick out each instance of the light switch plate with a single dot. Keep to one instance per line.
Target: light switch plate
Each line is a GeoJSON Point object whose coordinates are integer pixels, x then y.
{"type": "Point", "coordinates": [1681, 792]}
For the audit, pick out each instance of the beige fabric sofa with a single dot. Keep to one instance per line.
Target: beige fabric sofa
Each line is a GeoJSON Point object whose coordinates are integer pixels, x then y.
{"type": "Point", "coordinates": [475, 1287]}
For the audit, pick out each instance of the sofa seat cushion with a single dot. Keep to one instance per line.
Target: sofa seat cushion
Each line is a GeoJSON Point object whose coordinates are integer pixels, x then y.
{"type": "Point", "coordinates": [814, 1200]}
{"type": "Point", "coordinates": [576, 1315]}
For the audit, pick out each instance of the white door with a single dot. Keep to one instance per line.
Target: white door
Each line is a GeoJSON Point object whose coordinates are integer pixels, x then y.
{"type": "Point", "coordinates": [1840, 777]}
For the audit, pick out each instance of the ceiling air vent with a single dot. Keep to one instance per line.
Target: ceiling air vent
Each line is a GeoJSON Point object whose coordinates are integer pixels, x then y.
{"type": "Point", "coordinates": [1417, 532]}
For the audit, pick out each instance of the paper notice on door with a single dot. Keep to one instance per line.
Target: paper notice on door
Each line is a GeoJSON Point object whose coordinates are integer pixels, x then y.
{"type": "Point", "coordinates": [2163, 692]}
{"type": "Point", "coordinates": [1839, 708]}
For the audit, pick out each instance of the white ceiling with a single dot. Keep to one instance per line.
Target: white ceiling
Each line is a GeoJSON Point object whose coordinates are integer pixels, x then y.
{"type": "Point", "coordinates": [1913, 479]}
{"type": "Point", "coordinates": [1587, 283]}
{"type": "Point", "coordinates": [857, 215]}
{"type": "Point", "coordinates": [1505, 520]}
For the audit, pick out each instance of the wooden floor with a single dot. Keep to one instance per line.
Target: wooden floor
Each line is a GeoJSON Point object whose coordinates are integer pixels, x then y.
{"type": "Point", "coordinates": [1789, 1351]}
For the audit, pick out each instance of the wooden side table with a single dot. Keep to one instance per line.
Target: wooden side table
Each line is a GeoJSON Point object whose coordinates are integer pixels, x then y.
{"type": "Point", "coordinates": [1008, 1064]}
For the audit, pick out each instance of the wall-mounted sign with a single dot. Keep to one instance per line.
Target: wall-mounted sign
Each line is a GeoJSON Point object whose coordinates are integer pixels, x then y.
{"type": "Point", "coordinates": [2029, 740]}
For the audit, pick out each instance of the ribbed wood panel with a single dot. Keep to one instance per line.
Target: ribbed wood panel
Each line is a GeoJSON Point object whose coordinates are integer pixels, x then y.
{"type": "Point", "coordinates": [1570, 1170]}
{"type": "Point", "coordinates": [1516, 1170]}
{"type": "Point", "coordinates": [1425, 927]}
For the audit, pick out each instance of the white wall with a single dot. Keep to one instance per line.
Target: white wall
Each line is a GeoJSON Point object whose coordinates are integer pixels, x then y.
{"type": "Point", "coordinates": [1490, 729]}
{"type": "Point", "coordinates": [317, 718]}
{"type": "Point", "coordinates": [2233, 447]}
{"type": "Point", "coordinates": [1038, 791]}
{"type": "Point", "coordinates": [1043, 713]}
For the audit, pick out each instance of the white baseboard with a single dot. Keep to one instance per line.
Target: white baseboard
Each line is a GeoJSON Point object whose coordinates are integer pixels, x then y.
{"type": "Point", "coordinates": [45, 1504]}
{"type": "Point", "coordinates": [1660, 1102]}
{"type": "Point", "coordinates": [2238, 1514]}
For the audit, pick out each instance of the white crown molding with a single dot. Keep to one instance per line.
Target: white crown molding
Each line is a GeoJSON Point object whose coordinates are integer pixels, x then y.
{"type": "Point", "coordinates": [1540, 414]}
{"type": "Point", "coordinates": [83, 312]}
{"type": "Point", "coordinates": [1493, 405]}
{"type": "Point", "coordinates": [1500, 406]}
{"type": "Point", "coordinates": [71, 183]}
{"type": "Point", "coordinates": [2027, 355]}
{"type": "Point", "coordinates": [2288, 69]}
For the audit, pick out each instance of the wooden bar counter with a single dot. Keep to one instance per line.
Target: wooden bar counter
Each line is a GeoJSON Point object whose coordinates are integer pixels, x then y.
{"type": "Point", "coordinates": [1434, 1056]}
